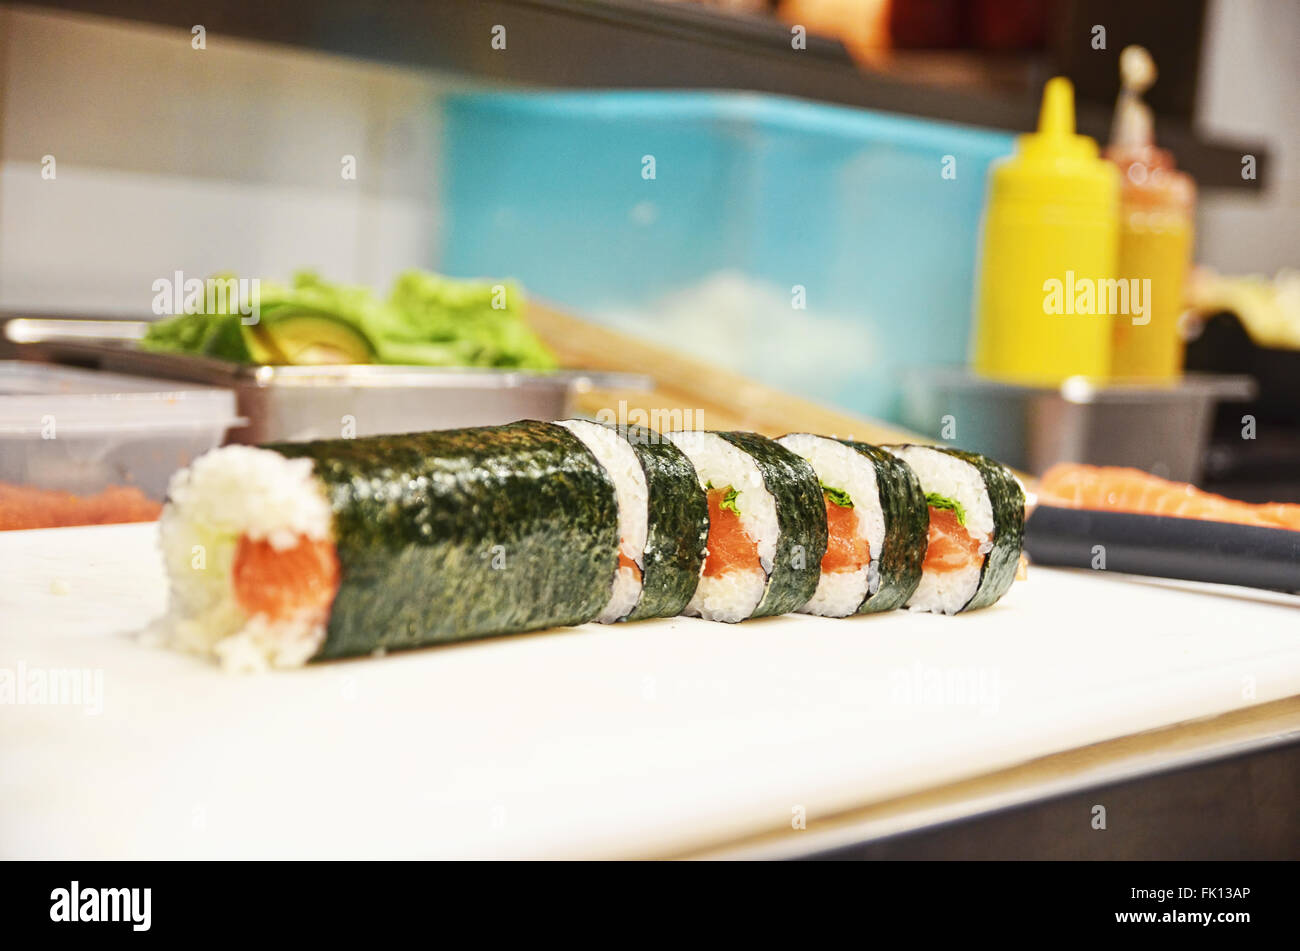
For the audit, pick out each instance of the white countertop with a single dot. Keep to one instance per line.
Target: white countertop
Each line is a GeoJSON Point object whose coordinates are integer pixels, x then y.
{"type": "Point", "coordinates": [627, 740]}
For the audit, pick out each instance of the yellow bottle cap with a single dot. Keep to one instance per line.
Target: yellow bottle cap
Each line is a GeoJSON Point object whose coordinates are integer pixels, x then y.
{"type": "Point", "coordinates": [1055, 164]}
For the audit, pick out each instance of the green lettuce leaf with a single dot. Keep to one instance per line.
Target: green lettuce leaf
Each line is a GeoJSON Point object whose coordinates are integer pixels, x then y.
{"type": "Point", "coordinates": [937, 501]}
{"type": "Point", "coordinates": [838, 496]}
{"type": "Point", "coordinates": [729, 500]}
{"type": "Point", "coordinates": [427, 320]}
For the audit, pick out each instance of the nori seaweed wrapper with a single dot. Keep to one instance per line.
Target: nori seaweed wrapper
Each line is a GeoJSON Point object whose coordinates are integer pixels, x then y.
{"type": "Point", "coordinates": [677, 530]}
{"type": "Point", "coordinates": [907, 529]}
{"type": "Point", "coordinates": [800, 518]}
{"type": "Point", "coordinates": [446, 536]}
{"type": "Point", "coordinates": [1007, 499]}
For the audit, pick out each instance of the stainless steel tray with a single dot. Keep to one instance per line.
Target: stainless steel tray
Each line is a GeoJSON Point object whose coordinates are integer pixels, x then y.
{"type": "Point", "coordinates": [1161, 428]}
{"type": "Point", "coordinates": [297, 403]}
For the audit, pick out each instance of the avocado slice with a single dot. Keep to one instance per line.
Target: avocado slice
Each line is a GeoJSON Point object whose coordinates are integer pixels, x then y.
{"type": "Point", "coordinates": [258, 351]}
{"type": "Point", "coordinates": [310, 338]}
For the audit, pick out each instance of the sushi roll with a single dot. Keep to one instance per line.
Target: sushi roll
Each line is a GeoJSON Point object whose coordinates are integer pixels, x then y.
{"type": "Point", "coordinates": [977, 517]}
{"type": "Point", "coordinates": [304, 551]}
{"type": "Point", "coordinates": [767, 526]}
{"type": "Point", "coordinates": [877, 523]}
{"type": "Point", "coordinates": [663, 520]}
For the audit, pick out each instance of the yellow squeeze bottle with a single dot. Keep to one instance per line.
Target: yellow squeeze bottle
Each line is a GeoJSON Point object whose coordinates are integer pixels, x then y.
{"type": "Point", "coordinates": [1050, 241]}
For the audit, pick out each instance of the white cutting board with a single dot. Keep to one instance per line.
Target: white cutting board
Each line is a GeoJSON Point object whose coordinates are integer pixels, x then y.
{"type": "Point", "coordinates": [590, 741]}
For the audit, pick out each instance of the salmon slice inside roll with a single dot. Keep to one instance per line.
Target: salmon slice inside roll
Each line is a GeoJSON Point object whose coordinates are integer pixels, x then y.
{"type": "Point", "coordinates": [282, 583]}
{"type": "Point", "coordinates": [743, 528]}
{"type": "Point", "coordinates": [961, 529]}
{"type": "Point", "coordinates": [730, 547]}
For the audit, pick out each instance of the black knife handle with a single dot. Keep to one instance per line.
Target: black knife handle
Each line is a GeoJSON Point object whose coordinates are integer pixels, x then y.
{"type": "Point", "coordinates": [1160, 546]}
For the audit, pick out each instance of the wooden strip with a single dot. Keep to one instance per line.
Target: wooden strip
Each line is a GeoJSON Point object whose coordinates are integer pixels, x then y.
{"type": "Point", "coordinates": [721, 398]}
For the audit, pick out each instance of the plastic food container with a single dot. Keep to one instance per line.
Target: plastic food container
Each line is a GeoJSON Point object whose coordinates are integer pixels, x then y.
{"type": "Point", "coordinates": [83, 431]}
{"type": "Point", "coordinates": [819, 249]}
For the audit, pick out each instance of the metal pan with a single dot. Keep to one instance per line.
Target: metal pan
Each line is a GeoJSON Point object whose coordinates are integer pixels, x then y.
{"type": "Point", "coordinates": [298, 403]}
{"type": "Point", "coordinates": [1160, 428]}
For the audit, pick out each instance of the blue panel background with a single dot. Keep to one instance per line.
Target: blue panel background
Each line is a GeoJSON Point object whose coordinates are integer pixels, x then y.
{"type": "Point", "coordinates": [767, 191]}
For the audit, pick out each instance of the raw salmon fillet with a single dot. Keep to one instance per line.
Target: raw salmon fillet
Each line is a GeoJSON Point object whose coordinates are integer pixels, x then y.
{"type": "Point", "coordinates": [846, 550]}
{"type": "Point", "coordinates": [25, 507]}
{"type": "Point", "coordinates": [1117, 489]}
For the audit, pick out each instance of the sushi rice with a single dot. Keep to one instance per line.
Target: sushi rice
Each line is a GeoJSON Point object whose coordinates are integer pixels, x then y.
{"type": "Point", "coordinates": [620, 461]}
{"type": "Point", "coordinates": [949, 592]}
{"type": "Point", "coordinates": [734, 595]}
{"type": "Point", "coordinates": [841, 593]}
{"type": "Point", "coordinates": [234, 492]}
